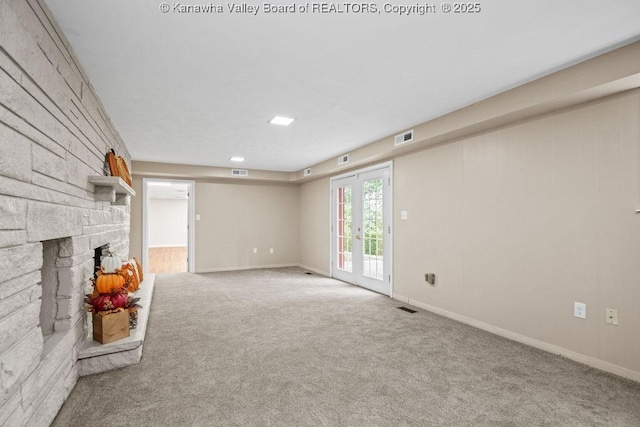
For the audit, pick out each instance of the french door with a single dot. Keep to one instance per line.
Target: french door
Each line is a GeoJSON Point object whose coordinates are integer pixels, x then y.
{"type": "Point", "coordinates": [361, 228]}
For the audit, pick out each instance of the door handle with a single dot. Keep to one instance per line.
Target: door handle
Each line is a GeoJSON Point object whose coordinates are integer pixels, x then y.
{"type": "Point", "coordinates": [358, 236]}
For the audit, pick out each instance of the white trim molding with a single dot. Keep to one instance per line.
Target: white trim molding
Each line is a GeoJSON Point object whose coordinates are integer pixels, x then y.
{"type": "Point", "coordinates": [248, 267]}
{"type": "Point", "coordinates": [315, 270]}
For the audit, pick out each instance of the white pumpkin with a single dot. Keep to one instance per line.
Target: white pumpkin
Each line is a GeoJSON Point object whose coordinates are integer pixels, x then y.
{"type": "Point", "coordinates": [110, 263]}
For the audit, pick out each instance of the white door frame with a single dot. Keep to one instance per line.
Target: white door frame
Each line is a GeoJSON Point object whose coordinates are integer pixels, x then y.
{"type": "Point", "coordinates": [388, 213]}
{"type": "Point", "coordinates": [191, 220]}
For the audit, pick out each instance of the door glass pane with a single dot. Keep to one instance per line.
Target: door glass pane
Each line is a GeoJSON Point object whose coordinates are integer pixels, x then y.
{"type": "Point", "coordinates": [372, 221]}
{"type": "Point", "coordinates": [344, 240]}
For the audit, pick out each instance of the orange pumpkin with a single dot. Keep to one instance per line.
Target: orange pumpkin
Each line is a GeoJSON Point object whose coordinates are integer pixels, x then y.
{"type": "Point", "coordinates": [130, 274]}
{"type": "Point", "coordinates": [139, 267]}
{"type": "Point", "coordinates": [109, 283]}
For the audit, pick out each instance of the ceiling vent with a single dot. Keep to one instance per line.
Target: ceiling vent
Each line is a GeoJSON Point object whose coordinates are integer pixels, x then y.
{"type": "Point", "coordinates": [403, 138]}
{"type": "Point", "coordinates": [307, 172]}
{"type": "Point", "coordinates": [239, 172]}
{"type": "Point", "coordinates": [343, 159]}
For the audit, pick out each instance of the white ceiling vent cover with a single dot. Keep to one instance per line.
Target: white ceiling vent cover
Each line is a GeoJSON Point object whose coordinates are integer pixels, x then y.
{"type": "Point", "coordinates": [307, 172]}
{"type": "Point", "coordinates": [403, 138]}
{"type": "Point", "coordinates": [239, 172]}
{"type": "Point", "coordinates": [343, 159]}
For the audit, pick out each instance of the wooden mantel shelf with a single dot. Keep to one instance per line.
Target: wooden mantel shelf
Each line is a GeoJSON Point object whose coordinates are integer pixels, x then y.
{"type": "Point", "coordinates": [107, 187]}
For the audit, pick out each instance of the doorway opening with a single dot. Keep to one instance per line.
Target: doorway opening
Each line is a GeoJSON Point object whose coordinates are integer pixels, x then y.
{"type": "Point", "coordinates": [168, 226]}
{"type": "Point", "coordinates": [361, 228]}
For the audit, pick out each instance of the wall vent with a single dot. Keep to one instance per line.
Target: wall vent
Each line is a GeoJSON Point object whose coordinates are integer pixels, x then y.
{"type": "Point", "coordinates": [239, 172]}
{"type": "Point", "coordinates": [403, 138]}
{"type": "Point", "coordinates": [343, 159]}
{"type": "Point", "coordinates": [307, 172]}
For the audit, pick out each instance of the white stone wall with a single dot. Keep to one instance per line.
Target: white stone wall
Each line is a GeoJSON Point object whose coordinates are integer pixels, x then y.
{"type": "Point", "coordinates": [54, 134]}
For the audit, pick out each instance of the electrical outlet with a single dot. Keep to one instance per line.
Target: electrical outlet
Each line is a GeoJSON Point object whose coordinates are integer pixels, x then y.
{"type": "Point", "coordinates": [271, 250]}
{"type": "Point", "coordinates": [255, 250]}
{"type": "Point", "coordinates": [612, 316]}
{"type": "Point", "coordinates": [430, 278]}
{"type": "Point", "coordinates": [580, 310]}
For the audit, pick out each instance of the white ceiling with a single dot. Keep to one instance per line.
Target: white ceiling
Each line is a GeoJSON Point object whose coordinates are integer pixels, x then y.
{"type": "Point", "coordinates": [200, 88]}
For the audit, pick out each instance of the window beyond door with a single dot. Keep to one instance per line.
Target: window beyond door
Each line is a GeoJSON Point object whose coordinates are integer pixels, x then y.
{"type": "Point", "coordinates": [344, 249]}
{"type": "Point", "coordinates": [372, 218]}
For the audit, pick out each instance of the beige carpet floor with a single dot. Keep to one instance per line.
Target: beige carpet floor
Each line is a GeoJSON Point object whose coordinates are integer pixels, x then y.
{"type": "Point", "coordinates": [279, 347]}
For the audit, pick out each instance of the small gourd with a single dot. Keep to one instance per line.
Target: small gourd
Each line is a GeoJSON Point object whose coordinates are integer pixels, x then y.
{"type": "Point", "coordinates": [109, 283]}
{"type": "Point", "coordinates": [111, 262]}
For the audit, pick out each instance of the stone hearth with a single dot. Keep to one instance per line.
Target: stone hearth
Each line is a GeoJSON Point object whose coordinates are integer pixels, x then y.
{"type": "Point", "coordinates": [94, 357]}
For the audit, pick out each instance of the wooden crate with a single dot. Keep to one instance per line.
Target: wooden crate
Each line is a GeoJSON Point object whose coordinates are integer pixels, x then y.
{"type": "Point", "coordinates": [111, 327]}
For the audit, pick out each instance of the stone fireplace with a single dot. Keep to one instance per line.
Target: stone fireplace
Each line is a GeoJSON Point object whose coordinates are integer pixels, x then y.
{"type": "Point", "coordinates": [65, 280]}
{"type": "Point", "coordinates": [59, 300]}
{"type": "Point", "coordinates": [43, 321]}
{"type": "Point", "coordinates": [56, 207]}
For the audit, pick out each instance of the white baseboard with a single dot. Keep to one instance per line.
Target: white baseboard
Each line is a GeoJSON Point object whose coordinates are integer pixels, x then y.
{"type": "Point", "coordinates": [314, 270]}
{"type": "Point", "coordinates": [250, 267]}
{"type": "Point", "coordinates": [255, 267]}
{"type": "Point", "coordinates": [577, 357]}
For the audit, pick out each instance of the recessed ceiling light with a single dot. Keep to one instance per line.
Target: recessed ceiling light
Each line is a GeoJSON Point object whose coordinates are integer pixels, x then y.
{"type": "Point", "coordinates": [282, 121]}
{"type": "Point", "coordinates": [237, 159]}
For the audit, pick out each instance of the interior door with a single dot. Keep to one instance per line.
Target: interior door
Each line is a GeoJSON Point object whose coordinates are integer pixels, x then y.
{"type": "Point", "coordinates": [168, 225]}
{"type": "Point", "coordinates": [361, 229]}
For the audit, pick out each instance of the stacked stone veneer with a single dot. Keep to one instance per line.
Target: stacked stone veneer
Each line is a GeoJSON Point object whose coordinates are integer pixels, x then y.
{"type": "Point", "coordinates": [54, 134]}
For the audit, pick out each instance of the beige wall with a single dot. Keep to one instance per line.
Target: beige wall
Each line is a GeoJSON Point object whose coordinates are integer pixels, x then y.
{"type": "Point", "coordinates": [517, 224]}
{"type": "Point", "coordinates": [314, 226]}
{"type": "Point", "coordinates": [135, 242]}
{"type": "Point", "coordinates": [235, 218]}
{"type": "Point", "coordinates": [521, 222]}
